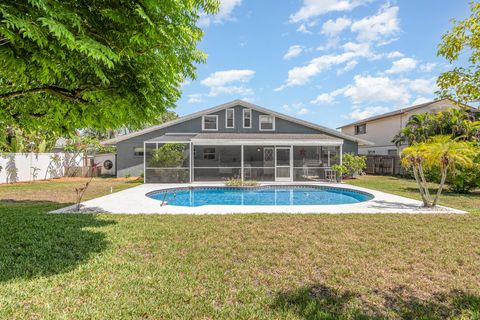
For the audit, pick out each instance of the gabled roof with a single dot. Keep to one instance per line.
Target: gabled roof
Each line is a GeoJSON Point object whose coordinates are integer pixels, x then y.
{"type": "Point", "coordinates": [231, 104]}
{"type": "Point", "coordinates": [403, 110]}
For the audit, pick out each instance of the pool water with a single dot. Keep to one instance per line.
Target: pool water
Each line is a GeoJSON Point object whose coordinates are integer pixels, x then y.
{"type": "Point", "coordinates": [259, 196]}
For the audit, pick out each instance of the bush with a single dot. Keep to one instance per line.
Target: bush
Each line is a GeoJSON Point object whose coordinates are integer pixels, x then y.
{"type": "Point", "coordinates": [464, 180]}
{"type": "Point", "coordinates": [237, 182]}
{"type": "Point", "coordinates": [354, 164]}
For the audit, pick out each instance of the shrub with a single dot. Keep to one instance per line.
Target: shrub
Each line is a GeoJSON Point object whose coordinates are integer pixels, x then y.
{"type": "Point", "coordinates": [354, 164]}
{"type": "Point", "coordinates": [237, 182]}
{"type": "Point", "coordinates": [461, 180]}
{"type": "Point", "coordinates": [464, 180]}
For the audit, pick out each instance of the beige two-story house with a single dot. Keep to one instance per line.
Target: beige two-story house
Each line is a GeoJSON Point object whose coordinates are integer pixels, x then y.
{"type": "Point", "coordinates": [381, 129]}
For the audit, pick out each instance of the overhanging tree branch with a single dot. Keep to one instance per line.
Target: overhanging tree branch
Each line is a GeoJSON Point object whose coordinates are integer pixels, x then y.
{"type": "Point", "coordinates": [72, 95]}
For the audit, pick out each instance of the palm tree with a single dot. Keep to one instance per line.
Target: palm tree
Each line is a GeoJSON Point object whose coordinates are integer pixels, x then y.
{"type": "Point", "coordinates": [418, 128]}
{"type": "Point", "coordinates": [439, 151]}
{"type": "Point", "coordinates": [455, 122]}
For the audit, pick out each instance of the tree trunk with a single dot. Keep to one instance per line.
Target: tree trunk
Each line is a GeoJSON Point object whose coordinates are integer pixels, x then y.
{"type": "Point", "coordinates": [420, 187]}
{"type": "Point", "coordinates": [440, 187]}
{"type": "Point", "coordinates": [425, 185]}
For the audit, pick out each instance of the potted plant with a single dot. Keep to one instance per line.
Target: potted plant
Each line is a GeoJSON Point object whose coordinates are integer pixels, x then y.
{"type": "Point", "coordinates": [340, 170]}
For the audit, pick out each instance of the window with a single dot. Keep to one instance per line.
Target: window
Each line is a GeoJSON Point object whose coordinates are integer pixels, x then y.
{"type": "Point", "coordinates": [371, 151]}
{"type": "Point", "coordinates": [209, 154]}
{"type": "Point", "coordinates": [247, 118]}
{"type": "Point", "coordinates": [392, 152]}
{"type": "Point", "coordinates": [267, 123]}
{"type": "Point", "coordinates": [230, 118]}
{"type": "Point", "coordinates": [138, 152]}
{"type": "Point", "coordinates": [361, 128]}
{"type": "Point", "coordinates": [210, 123]}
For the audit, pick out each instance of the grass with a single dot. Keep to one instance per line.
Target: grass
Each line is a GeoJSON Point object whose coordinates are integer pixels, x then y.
{"type": "Point", "coordinates": [63, 190]}
{"type": "Point", "coordinates": [238, 266]}
{"type": "Point", "coordinates": [408, 188]}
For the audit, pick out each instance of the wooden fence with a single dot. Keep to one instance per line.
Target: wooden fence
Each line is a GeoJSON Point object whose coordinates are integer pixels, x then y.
{"type": "Point", "coordinates": [388, 165]}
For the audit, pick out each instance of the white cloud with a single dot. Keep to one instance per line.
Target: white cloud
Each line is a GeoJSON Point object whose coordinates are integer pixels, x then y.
{"type": "Point", "coordinates": [368, 89]}
{"type": "Point", "coordinates": [195, 98]}
{"type": "Point", "coordinates": [222, 78]}
{"type": "Point", "coordinates": [428, 67]}
{"type": "Point", "coordinates": [378, 27]}
{"type": "Point", "coordinates": [296, 108]}
{"type": "Point", "coordinates": [421, 100]}
{"type": "Point", "coordinates": [402, 65]}
{"type": "Point", "coordinates": [323, 98]}
{"type": "Point", "coordinates": [313, 8]}
{"type": "Point", "coordinates": [367, 112]}
{"type": "Point", "coordinates": [394, 54]}
{"type": "Point", "coordinates": [348, 67]}
{"type": "Point", "coordinates": [333, 27]}
{"type": "Point", "coordinates": [224, 14]}
{"type": "Point", "coordinates": [229, 82]}
{"type": "Point", "coordinates": [303, 29]}
{"type": "Point", "coordinates": [423, 86]}
{"type": "Point", "coordinates": [301, 75]}
{"type": "Point", "coordinates": [293, 51]}
{"type": "Point", "coordinates": [373, 89]}
{"type": "Point", "coordinates": [303, 111]}
{"type": "Point", "coordinates": [327, 98]}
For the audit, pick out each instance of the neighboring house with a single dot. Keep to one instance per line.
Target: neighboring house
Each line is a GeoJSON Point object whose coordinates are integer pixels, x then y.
{"type": "Point", "coordinates": [381, 129]}
{"type": "Point", "coordinates": [235, 139]}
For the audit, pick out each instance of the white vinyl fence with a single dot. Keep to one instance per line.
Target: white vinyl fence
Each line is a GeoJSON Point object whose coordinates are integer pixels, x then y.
{"type": "Point", "coordinates": [18, 167]}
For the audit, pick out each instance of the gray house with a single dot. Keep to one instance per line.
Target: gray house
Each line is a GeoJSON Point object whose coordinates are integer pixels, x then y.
{"type": "Point", "coordinates": [235, 139]}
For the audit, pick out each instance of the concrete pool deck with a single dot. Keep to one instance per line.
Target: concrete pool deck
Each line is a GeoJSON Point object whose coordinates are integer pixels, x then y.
{"type": "Point", "coordinates": [135, 201]}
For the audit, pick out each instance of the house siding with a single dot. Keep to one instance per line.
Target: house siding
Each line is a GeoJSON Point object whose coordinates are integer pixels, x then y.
{"type": "Point", "coordinates": [129, 164]}
{"type": "Point", "coordinates": [382, 131]}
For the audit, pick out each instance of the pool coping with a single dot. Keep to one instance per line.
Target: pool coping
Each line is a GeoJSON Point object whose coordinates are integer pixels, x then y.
{"type": "Point", "coordinates": [136, 201]}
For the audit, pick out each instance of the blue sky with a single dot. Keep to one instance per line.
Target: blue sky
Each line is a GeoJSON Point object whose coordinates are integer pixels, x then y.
{"type": "Point", "coordinates": [326, 61]}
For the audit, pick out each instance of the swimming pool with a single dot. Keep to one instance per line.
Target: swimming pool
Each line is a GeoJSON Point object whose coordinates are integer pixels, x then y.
{"type": "Point", "coordinates": [259, 196]}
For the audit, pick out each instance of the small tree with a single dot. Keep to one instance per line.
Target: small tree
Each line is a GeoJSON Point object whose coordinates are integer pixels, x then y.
{"type": "Point", "coordinates": [441, 152]}
{"type": "Point", "coordinates": [354, 164]}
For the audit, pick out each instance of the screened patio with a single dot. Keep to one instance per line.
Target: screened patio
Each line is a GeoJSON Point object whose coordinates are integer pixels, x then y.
{"type": "Point", "coordinates": [262, 157]}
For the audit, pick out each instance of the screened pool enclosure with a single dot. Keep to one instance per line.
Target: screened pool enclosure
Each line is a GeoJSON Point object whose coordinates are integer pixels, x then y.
{"type": "Point", "coordinates": [185, 159]}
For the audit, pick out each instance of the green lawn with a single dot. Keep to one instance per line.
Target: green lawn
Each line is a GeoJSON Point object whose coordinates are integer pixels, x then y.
{"type": "Point", "coordinates": [408, 188]}
{"type": "Point", "coordinates": [236, 266]}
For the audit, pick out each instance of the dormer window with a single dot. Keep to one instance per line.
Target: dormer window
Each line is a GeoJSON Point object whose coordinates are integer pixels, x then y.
{"type": "Point", "coordinates": [266, 123]}
{"type": "Point", "coordinates": [230, 118]}
{"type": "Point", "coordinates": [210, 123]}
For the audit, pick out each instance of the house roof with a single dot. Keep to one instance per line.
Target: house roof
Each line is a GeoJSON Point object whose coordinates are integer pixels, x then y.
{"type": "Point", "coordinates": [401, 111]}
{"type": "Point", "coordinates": [231, 104]}
{"type": "Point", "coordinates": [173, 138]}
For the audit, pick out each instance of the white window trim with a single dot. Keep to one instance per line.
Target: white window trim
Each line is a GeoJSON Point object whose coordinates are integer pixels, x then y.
{"type": "Point", "coordinates": [226, 118]}
{"type": "Point", "coordinates": [243, 118]}
{"type": "Point", "coordinates": [216, 122]}
{"type": "Point", "coordinates": [260, 122]}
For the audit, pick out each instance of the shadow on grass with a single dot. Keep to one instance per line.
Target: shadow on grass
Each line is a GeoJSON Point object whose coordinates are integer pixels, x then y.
{"type": "Point", "coordinates": [34, 243]}
{"type": "Point", "coordinates": [319, 302]}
